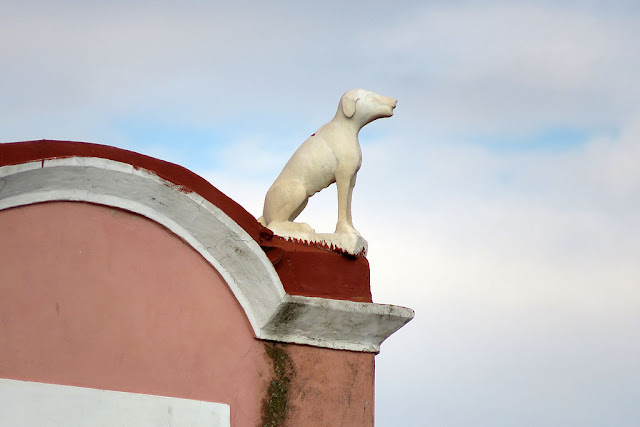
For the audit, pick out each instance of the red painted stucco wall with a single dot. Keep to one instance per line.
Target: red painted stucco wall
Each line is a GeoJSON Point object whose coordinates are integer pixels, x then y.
{"type": "Point", "coordinates": [99, 297]}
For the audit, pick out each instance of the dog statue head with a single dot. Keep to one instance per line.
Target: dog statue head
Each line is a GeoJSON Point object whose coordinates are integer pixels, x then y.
{"type": "Point", "coordinates": [363, 106]}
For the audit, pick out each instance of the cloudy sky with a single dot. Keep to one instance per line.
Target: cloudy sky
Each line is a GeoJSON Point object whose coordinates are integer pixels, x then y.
{"type": "Point", "coordinates": [501, 201]}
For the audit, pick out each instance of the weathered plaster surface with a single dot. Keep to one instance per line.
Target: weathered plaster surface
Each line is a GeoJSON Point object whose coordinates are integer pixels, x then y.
{"type": "Point", "coordinates": [331, 388]}
{"type": "Point", "coordinates": [99, 297]}
{"type": "Point", "coordinates": [275, 404]}
{"type": "Point", "coordinates": [316, 271]}
{"type": "Point", "coordinates": [318, 387]}
{"type": "Point", "coordinates": [222, 242]}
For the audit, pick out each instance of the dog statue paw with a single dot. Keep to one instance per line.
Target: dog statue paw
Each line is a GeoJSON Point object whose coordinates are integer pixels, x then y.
{"type": "Point", "coordinates": [331, 154]}
{"type": "Point", "coordinates": [291, 229]}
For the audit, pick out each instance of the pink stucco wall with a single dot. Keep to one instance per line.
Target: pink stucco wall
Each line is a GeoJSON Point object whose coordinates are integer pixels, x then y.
{"type": "Point", "coordinates": [99, 297]}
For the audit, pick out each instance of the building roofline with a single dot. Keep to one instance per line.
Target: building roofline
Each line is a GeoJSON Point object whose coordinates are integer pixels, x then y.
{"type": "Point", "coordinates": [225, 234]}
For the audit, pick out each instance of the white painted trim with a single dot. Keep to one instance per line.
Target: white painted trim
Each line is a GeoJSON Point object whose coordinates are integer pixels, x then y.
{"type": "Point", "coordinates": [33, 404]}
{"type": "Point", "coordinates": [273, 314]}
{"type": "Point", "coordinates": [347, 325]}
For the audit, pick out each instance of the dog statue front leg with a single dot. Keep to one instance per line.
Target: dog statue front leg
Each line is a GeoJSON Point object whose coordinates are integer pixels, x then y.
{"type": "Point", "coordinates": [345, 186]}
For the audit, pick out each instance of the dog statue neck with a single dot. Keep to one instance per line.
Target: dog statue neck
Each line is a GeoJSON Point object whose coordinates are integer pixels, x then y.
{"type": "Point", "coordinates": [349, 125]}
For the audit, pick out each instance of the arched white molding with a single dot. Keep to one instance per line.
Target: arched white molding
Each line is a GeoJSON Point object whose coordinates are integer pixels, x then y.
{"type": "Point", "coordinates": [273, 314]}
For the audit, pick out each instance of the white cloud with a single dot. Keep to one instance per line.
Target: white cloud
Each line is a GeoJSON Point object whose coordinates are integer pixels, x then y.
{"type": "Point", "coordinates": [519, 287]}
{"type": "Point", "coordinates": [526, 294]}
{"type": "Point", "coordinates": [456, 67]}
{"type": "Point", "coordinates": [514, 66]}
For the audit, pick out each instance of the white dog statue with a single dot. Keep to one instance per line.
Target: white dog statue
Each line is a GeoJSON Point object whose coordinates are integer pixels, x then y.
{"type": "Point", "coordinates": [332, 154]}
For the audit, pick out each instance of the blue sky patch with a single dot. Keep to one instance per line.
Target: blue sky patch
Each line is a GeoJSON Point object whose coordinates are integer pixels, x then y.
{"type": "Point", "coordinates": [554, 139]}
{"type": "Point", "coordinates": [195, 147]}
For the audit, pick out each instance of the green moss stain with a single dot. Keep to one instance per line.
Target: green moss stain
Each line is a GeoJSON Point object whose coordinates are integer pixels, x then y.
{"type": "Point", "coordinates": [289, 313]}
{"type": "Point", "coordinates": [274, 405]}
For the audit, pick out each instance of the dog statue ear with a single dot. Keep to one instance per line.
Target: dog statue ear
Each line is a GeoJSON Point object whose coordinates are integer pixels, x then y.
{"type": "Point", "coordinates": [349, 101]}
